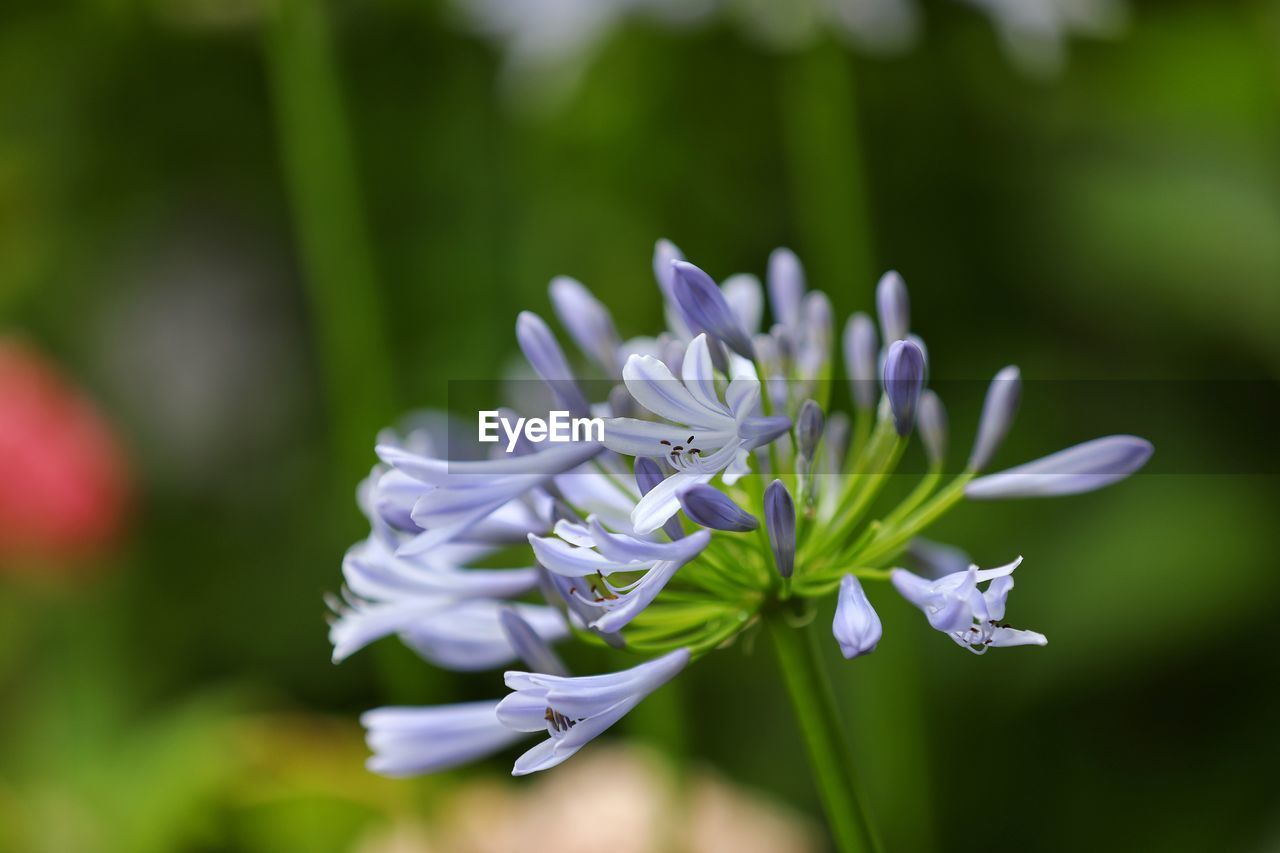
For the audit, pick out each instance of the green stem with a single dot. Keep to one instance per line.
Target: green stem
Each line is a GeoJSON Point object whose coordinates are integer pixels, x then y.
{"type": "Point", "coordinates": [333, 236]}
{"type": "Point", "coordinates": [824, 736]}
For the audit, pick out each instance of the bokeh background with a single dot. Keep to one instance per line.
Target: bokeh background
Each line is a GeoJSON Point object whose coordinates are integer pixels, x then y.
{"type": "Point", "coordinates": [236, 238]}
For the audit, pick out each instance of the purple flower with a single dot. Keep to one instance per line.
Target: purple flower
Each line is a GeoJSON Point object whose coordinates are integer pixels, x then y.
{"type": "Point", "coordinates": [457, 501]}
{"type": "Point", "coordinates": [584, 551]}
{"type": "Point", "coordinates": [971, 617]}
{"type": "Point", "coordinates": [449, 615]}
{"type": "Point", "coordinates": [706, 435]}
{"type": "Point", "coordinates": [574, 711]}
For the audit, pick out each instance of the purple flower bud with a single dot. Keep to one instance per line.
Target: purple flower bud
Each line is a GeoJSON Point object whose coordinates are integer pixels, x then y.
{"type": "Point", "coordinates": [998, 410]}
{"type": "Point", "coordinates": [813, 349]}
{"type": "Point", "coordinates": [529, 646]}
{"type": "Point", "coordinates": [786, 287]}
{"type": "Point", "coordinates": [768, 355]}
{"type": "Point", "coordinates": [924, 351]}
{"type": "Point", "coordinates": [932, 421]}
{"type": "Point", "coordinates": [894, 307]}
{"type": "Point", "coordinates": [903, 382]}
{"type": "Point", "coordinates": [648, 475]}
{"type": "Point", "coordinates": [759, 431]}
{"type": "Point", "coordinates": [621, 403]}
{"type": "Point", "coordinates": [742, 293]}
{"type": "Point", "coordinates": [780, 522]}
{"type": "Point", "coordinates": [809, 424]}
{"type": "Point", "coordinates": [705, 308]}
{"type": "Point", "coordinates": [861, 349]}
{"type": "Point", "coordinates": [837, 442]}
{"type": "Point", "coordinates": [710, 507]}
{"type": "Point", "coordinates": [856, 626]}
{"type": "Point", "coordinates": [664, 254]}
{"type": "Point", "coordinates": [588, 322]}
{"type": "Point", "coordinates": [672, 354]}
{"type": "Point", "coordinates": [1082, 468]}
{"type": "Point", "coordinates": [547, 359]}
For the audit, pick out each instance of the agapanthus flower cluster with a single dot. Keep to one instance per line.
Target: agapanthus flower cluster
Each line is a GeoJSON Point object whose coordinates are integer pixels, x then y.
{"type": "Point", "coordinates": [725, 488]}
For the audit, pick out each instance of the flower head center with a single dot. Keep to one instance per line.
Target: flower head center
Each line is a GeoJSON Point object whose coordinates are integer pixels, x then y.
{"type": "Point", "coordinates": [557, 721]}
{"type": "Point", "coordinates": [684, 456]}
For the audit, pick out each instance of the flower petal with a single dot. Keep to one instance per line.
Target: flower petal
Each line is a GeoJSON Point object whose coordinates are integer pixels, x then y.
{"type": "Point", "coordinates": [655, 388]}
{"type": "Point", "coordinates": [1083, 468]}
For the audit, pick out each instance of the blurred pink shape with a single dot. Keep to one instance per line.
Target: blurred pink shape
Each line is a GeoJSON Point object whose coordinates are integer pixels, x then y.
{"type": "Point", "coordinates": [64, 482]}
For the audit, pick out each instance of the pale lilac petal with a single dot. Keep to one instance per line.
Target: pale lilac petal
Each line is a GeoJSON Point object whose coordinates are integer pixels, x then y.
{"type": "Point", "coordinates": [556, 459]}
{"type": "Point", "coordinates": [1083, 468]}
{"type": "Point", "coordinates": [409, 741]}
{"type": "Point", "coordinates": [653, 386]}
{"type": "Point", "coordinates": [619, 612]}
{"type": "Point", "coordinates": [662, 501]}
{"type": "Point", "coordinates": [624, 548]}
{"type": "Point", "coordinates": [632, 437]}
{"type": "Point", "coordinates": [1005, 637]}
{"type": "Point", "coordinates": [468, 636]}
{"type": "Point", "coordinates": [573, 561]}
{"type": "Point", "coordinates": [699, 377]}
{"type": "Point", "coordinates": [760, 431]}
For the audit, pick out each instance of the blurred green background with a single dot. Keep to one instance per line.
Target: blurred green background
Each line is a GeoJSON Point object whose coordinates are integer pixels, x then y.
{"type": "Point", "coordinates": [256, 232]}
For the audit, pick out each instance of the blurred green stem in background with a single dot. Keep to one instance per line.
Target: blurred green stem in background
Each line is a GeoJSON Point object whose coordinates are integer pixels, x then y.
{"type": "Point", "coordinates": [824, 160]}
{"type": "Point", "coordinates": [824, 736]}
{"type": "Point", "coordinates": [338, 268]}
{"type": "Point", "coordinates": [329, 218]}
